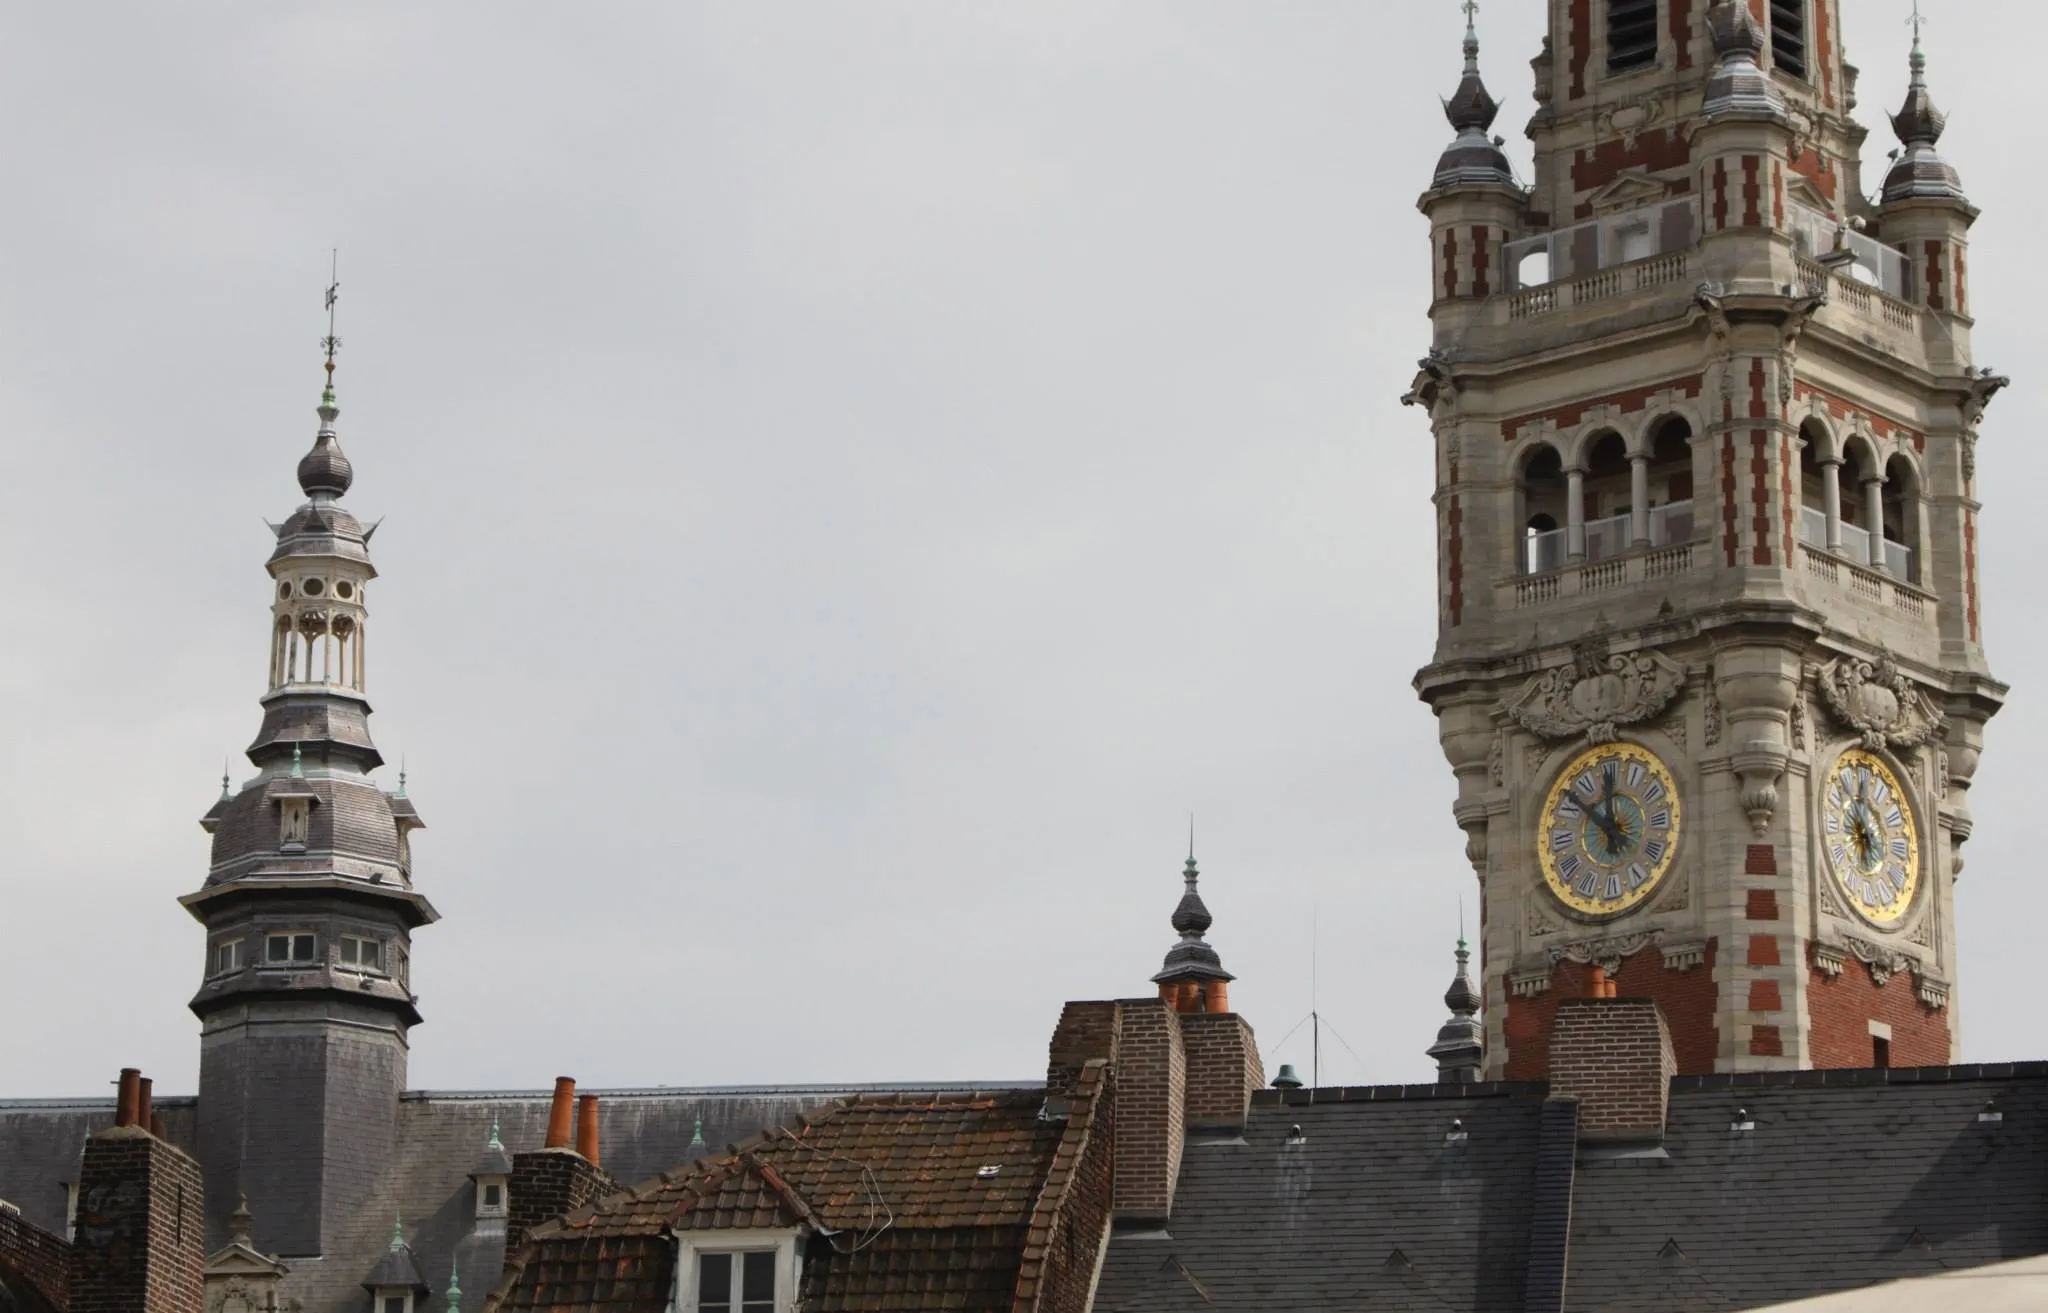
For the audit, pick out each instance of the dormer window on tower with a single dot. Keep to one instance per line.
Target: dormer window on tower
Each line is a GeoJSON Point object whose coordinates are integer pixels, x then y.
{"type": "Point", "coordinates": [1631, 34]}
{"type": "Point", "coordinates": [737, 1272]}
{"type": "Point", "coordinates": [1788, 37]}
{"type": "Point", "coordinates": [295, 822]}
{"type": "Point", "coordinates": [227, 958]}
{"type": "Point", "coordinates": [363, 954]}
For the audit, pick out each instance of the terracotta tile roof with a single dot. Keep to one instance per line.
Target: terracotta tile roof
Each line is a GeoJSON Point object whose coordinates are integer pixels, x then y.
{"type": "Point", "coordinates": [912, 1202]}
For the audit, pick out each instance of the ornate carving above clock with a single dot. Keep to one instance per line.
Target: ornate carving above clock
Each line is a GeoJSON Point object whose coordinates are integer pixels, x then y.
{"type": "Point", "coordinates": [1877, 701]}
{"type": "Point", "coordinates": [1609, 829]}
{"type": "Point", "coordinates": [1869, 838]}
{"type": "Point", "coordinates": [1595, 694]}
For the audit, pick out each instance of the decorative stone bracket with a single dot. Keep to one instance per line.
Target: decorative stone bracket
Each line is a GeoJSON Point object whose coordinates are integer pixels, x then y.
{"type": "Point", "coordinates": [1883, 963]}
{"type": "Point", "coordinates": [1759, 764]}
{"type": "Point", "coordinates": [1606, 953]}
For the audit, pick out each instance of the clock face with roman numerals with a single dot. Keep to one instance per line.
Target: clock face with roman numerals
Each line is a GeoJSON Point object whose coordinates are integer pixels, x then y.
{"type": "Point", "coordinates": [1610, 829]}
{"type": "Point", "coordinates": [1868, 834]}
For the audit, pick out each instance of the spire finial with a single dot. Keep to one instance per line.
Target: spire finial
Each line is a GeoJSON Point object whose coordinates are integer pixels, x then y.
{"type": "Point", "coordinates": [331, 344]}
{"type": "Point", "coordinates": [224, 794]}
{"type": "Point", "coordinates": [298, 762]}
{"type": "Point", "coordinates": [401, 793]}
{"type": "Point", "coordinates": [697, 1134]}
{"type": "Point", "coordinates": [397, 1233]}
{"type": "Point", "coordinates": [494, 1142]}
{"type": "Point", "coordinates": [1471, 8]}
{"type": "Point", "coordinates": [454, 1287]}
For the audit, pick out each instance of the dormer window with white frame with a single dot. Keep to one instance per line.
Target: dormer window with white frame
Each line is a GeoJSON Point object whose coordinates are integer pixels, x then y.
{"type": "Point", "coordinates": [736, 1271]}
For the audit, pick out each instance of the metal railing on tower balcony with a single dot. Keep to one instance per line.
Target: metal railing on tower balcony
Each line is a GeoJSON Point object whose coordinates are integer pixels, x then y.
{"type": "Point", "coordinates": [1813, 531]}
{"type": "Point", "coordinates": [1817, 236]}
{"type": "Point", "coordinates": [1608, 538]}
{"type": "Point", "coordinates": [1587, 248]}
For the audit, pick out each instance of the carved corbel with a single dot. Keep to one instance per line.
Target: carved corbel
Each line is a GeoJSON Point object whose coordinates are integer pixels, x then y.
{"type": "Point", "coordinates": [1685, 956]}
{"type": "Point", "coordinates": [1759, 765]}
{"type": "Point", "coordinates": [1878, 702]}
{"type": "Point", "coordinates": [1595, 694]}
{"type": "Point", "coordinates": [1933, 993]}
{"type": "Point", "coordinates": [1607, 953]}
{"type": "Point", "coordinates": [1529, 982]}
{"type": "Point", "coordinates": [1472, 819]}
{"type": "Point", "coordinates": [1829, 959]}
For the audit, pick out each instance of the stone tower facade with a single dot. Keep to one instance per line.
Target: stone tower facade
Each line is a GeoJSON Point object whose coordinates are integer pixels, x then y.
{"type": "Point", "coordinates": [1709, 668]}
{"type": "Point", "coordinates": [309, 907]}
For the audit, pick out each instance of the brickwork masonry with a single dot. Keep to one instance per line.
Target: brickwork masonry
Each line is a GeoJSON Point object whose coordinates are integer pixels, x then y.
{"type": "Point", "coordinates": [140, 1244]}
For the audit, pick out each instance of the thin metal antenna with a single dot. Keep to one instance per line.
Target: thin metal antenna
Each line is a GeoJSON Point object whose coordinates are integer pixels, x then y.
{"type": "Point", "coordinates": [1916, 22]}
{"type": "Point", "coordinates": [1315, 1030]}
{"type": "Point", "coordinates": [1191, 836]}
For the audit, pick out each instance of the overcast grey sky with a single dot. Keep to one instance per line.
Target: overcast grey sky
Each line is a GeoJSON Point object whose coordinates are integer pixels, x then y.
{"type": "Point", "coordinates": [858, 475]}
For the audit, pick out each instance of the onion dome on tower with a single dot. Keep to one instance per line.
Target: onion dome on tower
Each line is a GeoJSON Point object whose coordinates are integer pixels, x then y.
{"type": "Point", "coordinates": [1472, 158]}
{"type": "Point", "coordinates": [1739, 84]}
{"type": "Point", "coordinates": [1192, 978]}
{"type": "Point", "coordinates": [1460, 1048]}
{"type": "Point", "coordinates": [1919, 172]}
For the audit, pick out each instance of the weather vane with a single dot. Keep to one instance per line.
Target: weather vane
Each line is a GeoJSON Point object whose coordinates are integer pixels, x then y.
{"type": "Point", "coordinates": [1916, 21]}
{"type": "Point", "coordinates": [331, 343]}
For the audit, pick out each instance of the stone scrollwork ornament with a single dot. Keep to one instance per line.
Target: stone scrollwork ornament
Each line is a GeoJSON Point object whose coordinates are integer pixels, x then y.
{"type": "Point", "coordinates": [1607, 954]}
{"type": "Point", "coordinates": [1884, 963]}
{"type": "Point", "coordinates": [1877, 701]}
{"type": "Point", "coordinates": [1595, 694]}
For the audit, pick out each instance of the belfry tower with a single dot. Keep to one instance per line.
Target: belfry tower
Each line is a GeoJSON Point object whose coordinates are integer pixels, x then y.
{"type": "Point", "coordinates": [1709, 667]}
{"type": "Point", "coordinates": [309, 905]}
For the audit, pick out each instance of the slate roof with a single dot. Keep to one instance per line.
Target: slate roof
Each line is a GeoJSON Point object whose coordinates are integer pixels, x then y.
{"type": "Point", "coordinates": [441, 1136]}
{"type": "Point", "coordinates": [1370, 1206]}
{"type": "Point", "coordinates": [1848, 1178]}
{"type": "Point", "coordinates": [896, 1191]}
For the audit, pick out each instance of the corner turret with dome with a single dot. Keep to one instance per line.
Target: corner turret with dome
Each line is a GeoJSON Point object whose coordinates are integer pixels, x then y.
{"type": "Point", "coordinates": [309, 901]}
{"type": "Point", "coordinates": [1192, 978]}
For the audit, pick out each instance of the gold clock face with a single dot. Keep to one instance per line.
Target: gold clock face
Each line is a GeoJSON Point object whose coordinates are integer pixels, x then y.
{"type": "Point", "coordinates": [1610, 829]}
{"type": "Point", "coordinates": [1867, 831]}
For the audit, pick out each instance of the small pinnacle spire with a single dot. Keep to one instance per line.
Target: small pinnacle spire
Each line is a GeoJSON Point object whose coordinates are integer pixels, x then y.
{"type": "Point", "coordinates": [697, 1134]}
{"type": "Point", "coordinates": [1460, 1047]}
{"type": "Point", "coordinates": [1919, 172]}
{"type": "Point", "coordinates": [454, 1288]}
{"type": "Point", "coordinates": [1472, 37]}
{"type": "Point", "coordinates": [401, 793]}
{"type": "Point", "coordinates": [1739, 85]}
{"type": "Point", "coordinates": [397, 1233]}
{"type": "Point", "coordinates": [224, 793]}
{"type": "Point", "coordinates": [1472, 159]}
{"type": "Point", "coordinates": [324, 472]}
{"type": "Point", "coordinates": [494, 1142]}
{"type": "Point", "coordinates": [241, 1223]}
{"type": "Point", "coordinates": [298, 763]}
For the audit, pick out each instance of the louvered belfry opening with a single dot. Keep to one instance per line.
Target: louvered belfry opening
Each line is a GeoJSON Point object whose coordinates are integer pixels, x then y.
{"type": "Point", "coordinates": [1788, 36]}
{"type": "Point", "coordinates": [1631, 34]}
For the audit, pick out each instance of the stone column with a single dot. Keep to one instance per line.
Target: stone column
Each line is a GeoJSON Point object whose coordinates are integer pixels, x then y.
{"type": "Point", "coordinates": [1873, 511]}
{"type": "Point", "coordinates": [1831, 499]}
{"type": "Point", "coordinates": [1639, 498]}
{"type": "Point", "coordinates": [1575, 514]}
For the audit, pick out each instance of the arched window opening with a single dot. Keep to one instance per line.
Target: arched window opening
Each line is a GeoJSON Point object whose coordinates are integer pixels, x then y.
{"type": "Point", "coordinates": [1542, 493]}
{"type": "Point", "coordinates": [1609, 498]}
{"type": "Point", "coordinates": [1901, 521]}
{"type": "Point", "coordinates": [1668, 484]}
{"type": "Point", "coordinates": [1814, 478]}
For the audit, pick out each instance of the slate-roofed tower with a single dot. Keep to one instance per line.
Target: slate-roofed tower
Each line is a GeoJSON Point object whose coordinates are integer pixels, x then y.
{"type": "Point", "coordinates": [308, 904]}
{"type": "Point", "coordinates": [1709, 667]}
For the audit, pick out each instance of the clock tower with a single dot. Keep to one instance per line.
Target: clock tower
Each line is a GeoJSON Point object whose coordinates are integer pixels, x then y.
{"type": "Point", "coordinates": [1709, 667]}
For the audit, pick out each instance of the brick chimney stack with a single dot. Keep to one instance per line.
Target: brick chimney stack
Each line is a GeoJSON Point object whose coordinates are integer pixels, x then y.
{"type": "Point", "coordinates": [1613, 1055]}
{"type": "Point", "coordinates": [563, 1175]}
{"type": "Point", "coordinates": [140, 1240]}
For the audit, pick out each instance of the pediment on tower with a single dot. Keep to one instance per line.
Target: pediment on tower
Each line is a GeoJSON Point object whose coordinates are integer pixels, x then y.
{"type": "Point", "coordinates": [1801, 191]}
{"type": "Point", "coordinates": [1631, 190]}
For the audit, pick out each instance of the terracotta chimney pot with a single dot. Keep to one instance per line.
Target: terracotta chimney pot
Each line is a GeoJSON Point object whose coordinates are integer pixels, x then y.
{"type": "Point", "coordinates": [586, 1128]}
{"type": "Point", "coordinates": [125, 1101]}
{"type": "Point", "coordinates": [562, 1116]}
{"type": "Point", "coordinates": [143, 1111]}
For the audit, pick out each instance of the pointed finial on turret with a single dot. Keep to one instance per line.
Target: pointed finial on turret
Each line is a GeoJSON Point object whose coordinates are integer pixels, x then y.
{"type": "Point", "coordinates": [224, 792]}
{"type": "Point", "coordinates": [298, 762]}
{"type": "Point", "coordinates": [1739, 85]}
{"type": "Point", "coordinates": [242, 1223]}
{"type": "Point", "coordinates": [454, 1287]}
{"type": "Point", "coordinates": [401, 793]}
{"type": "Point", "coordinates": [1919, 172]}
{"type": "Point", "coordinates": [324, 471]}
{"type": "Point", "coordinates": [397, 1232]}
{"type": "Point", "coordinates": [1472, 158]}
{"type": "Point", "coordinates": [697, 1133]}
{"type": "Point", "coordinates": [494, 1142]}
{"type": "Point", "coordinates": [1192, 978]}
{"type": "Point", "coordinates": [1460, 1048]}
